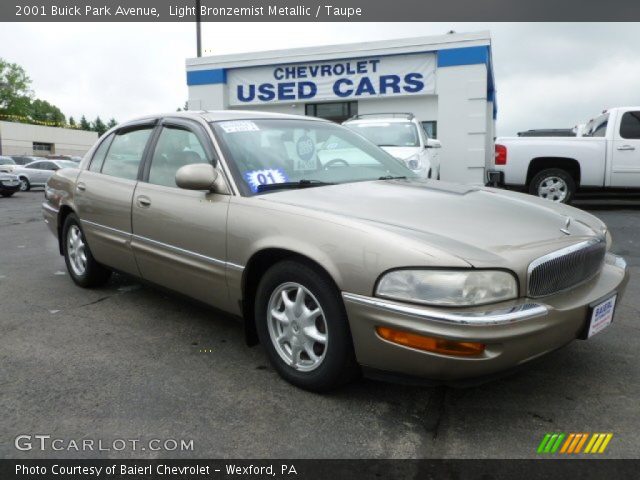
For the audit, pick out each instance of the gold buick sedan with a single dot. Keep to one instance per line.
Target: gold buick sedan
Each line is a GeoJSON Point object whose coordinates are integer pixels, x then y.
{"type": "Point", "coordinates": [333, 254]}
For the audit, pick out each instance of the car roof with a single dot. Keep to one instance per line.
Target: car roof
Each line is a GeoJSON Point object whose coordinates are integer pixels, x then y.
{"type": "Point", "coordinates": [380, 119]}
{"type": "Point", "coordinates": [221, 115]}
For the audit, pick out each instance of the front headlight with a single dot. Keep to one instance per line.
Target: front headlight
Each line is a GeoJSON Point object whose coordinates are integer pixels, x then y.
{"type": "Point", "coordinates": [413, 162]}
{"type": "Point", "coordinates": [448, 288]}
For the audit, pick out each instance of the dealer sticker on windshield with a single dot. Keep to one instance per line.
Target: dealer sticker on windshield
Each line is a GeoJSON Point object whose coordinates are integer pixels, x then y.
{"type": "Point", "coordinates": [255, 178]}
{"type": "Point", "coordinates": [602, 316]}
{"type": "Point", "coordinates": [239, 126]}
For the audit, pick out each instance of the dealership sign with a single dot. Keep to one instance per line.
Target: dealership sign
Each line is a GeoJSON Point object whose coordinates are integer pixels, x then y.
{"type": "Point", "coordinates": [412, 74]}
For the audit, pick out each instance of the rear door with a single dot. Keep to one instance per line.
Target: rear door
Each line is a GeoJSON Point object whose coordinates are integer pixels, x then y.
{"type": "Point", "coordinates": [104, 193]}
{"type": "Point", "coordinates": [179, 236]}
{"type": "Point", "coordinates": [625, 164]}
{"type": "Point", "coordinates": [37, 172]}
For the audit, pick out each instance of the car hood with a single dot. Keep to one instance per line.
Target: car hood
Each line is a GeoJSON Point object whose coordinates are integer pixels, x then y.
{"type": "Point", "coordinates": [401, 152]}
{"type": "Point", "coordinates": [483, 226]}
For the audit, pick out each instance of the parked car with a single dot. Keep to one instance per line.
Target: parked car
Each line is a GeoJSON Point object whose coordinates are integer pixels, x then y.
{"type": "Point", "coordinates": [9, 184]}
{"type": "Point", "coordinates": [25, 159]}
{"type": "Point", "coordinates": [402, 135]}
{"type": "Point", "coordinates": [335, 267]}
{"type": "Point", "coordinates": [7, 164]}
{"type": "Point", "coordinates": [605, 157]}
{"type": "Point", "coordinates": [36, 174]}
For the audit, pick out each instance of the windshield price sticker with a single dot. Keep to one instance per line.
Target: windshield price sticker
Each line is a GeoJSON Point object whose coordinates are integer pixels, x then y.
{"type": "Point", "coordinates": [239, 126]}
{"type": "Point", "coordinates": [255, 178]}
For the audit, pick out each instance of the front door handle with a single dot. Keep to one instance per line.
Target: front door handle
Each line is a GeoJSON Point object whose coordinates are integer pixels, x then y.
{"type": "Point", "coordinates": [82, 187]}
{"type": "Point", "coordinates": [626, 147]}
{"type": "Point", "coordinates": [144, 201]}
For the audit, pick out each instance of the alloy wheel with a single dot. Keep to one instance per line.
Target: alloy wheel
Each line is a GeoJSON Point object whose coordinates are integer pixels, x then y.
{"type": "Point", "coordinates": [76, 249]}
{"type": "Point", "coordinates": [553, 188]}
{"type": "Point", "coordinates": [297, 327]}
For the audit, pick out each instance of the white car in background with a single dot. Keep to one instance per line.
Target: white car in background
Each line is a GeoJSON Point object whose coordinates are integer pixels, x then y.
{"type": "Point", "coordinates": [401, 135]}
{"type": "Point", "coordinates": [36, 174]}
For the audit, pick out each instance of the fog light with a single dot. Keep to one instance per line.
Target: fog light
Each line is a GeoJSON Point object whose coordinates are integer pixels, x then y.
{"type": "Point", "coordinates": [431, 344]}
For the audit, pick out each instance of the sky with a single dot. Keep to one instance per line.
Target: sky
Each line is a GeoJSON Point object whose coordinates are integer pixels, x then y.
{"type": "Point", "coordinates": [548, 75]}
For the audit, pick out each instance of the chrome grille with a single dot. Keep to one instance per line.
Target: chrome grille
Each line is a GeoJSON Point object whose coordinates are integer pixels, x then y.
{"type": "Point", "coordinates": [566, 268]}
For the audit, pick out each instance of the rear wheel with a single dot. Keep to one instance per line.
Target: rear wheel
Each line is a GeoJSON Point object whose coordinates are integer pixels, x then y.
{"type": "Point", "coordinates": [302, 324]}
{"type": "Point", "coordinates": [25, 186]}
{"type": "Point", "coordinates": [553, 184]}
{"type": "Point", "coordinates": [82, 267]}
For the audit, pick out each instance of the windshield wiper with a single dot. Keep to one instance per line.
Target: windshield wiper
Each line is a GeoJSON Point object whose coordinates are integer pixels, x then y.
{"type": "Point", "coordinates": [391, 177]}
{"type": "Point", "coordinates": [268, 187]}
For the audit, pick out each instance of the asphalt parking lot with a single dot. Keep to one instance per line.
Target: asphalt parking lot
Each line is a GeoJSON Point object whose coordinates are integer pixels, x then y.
{"type": "Point", "coordinates": [130, 362]}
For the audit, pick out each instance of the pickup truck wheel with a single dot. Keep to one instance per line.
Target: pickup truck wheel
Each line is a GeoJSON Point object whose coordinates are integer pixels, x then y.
{"type": "Point", "coordinates": [303, 326]}
{"type": "Point", "coordinates": [82, 267]}
{"type": "Point", "coordinates": [553, 184]}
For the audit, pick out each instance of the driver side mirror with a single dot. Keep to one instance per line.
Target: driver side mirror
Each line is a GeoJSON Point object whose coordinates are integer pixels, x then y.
{"type": "Point", "coordinates": [197, 176]}
{"type": "Point", "coordinates": [433, 143]}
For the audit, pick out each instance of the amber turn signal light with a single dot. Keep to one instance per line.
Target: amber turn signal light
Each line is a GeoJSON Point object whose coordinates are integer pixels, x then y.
{"type": "Point", "coordinates": [431, 344]}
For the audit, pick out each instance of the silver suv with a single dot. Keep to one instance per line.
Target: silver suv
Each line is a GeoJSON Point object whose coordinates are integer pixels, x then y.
{"type": "Point", "coordinates": [401, 135]}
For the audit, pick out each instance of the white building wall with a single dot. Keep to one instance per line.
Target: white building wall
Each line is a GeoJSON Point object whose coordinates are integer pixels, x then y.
{"type": "Point", "coordinates": [462, 122]}
{"type": "Point", "coordinates": [17, 139]}
{"type": "Point", "coordinates": [424, 107]}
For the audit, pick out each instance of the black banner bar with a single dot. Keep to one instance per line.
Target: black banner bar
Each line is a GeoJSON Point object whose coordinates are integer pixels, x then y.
{"type": "Point", "coordinates": [583, 469]}
{"type": "Point", "coordinates": [317, 10]}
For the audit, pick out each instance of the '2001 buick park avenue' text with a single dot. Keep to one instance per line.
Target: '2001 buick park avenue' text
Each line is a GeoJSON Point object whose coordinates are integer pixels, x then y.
{"type": "Point", "coordinates": [337, 258]}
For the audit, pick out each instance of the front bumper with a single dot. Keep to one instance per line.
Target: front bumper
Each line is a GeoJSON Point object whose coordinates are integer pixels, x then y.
{"type": "Point", "coordinates": [9, 186]}
{"type": "Point", "coordinates": [514, 332]}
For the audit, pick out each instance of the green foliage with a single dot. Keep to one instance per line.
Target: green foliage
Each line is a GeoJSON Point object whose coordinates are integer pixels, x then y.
{"type": "Point", "coordinates": [98, 126]}
{"type": "Point", "coordinates": [43, 111]}
{"type": "Point", "coordinates": [15, 91]}
{"type": "Point", "coordinates": [72, 122]}
{"type": "Point", "coordinates": [84, 123]}
{"type": "Point", "coordinates": [112, 123]}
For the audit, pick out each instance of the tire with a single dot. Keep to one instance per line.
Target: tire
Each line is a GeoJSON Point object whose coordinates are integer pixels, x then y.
{"type": "Point", "coordinates": [334, 363]}
{"type": "Point", "coordinates": [553, 184]}
{"type": "Point", "coordinates": [87, 273]}
{"type": "Point", "coordinates": [7, 194]}
{"type": "Point", "coordinates": [25, 185]}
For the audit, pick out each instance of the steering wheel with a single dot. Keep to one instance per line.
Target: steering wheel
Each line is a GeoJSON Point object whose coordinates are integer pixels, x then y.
{"type": "Point", "coordinates": [336, 162]}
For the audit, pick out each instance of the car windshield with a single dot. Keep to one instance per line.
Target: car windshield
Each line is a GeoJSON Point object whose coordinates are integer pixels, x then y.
{"type": "Point", "coordinates": [22, 160]}
{"type": "Point", "coordinates": [388, 134]}
{"type": "Point", "coordinates": [301, 153]}
{"type": "Point", "coordinates": [6, 161]}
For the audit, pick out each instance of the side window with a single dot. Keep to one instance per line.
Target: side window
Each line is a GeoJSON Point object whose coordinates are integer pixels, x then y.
{"type": "Point", "coordinates": [600, 131]}
{"type": "Point", "coordinates": [50, 166]}
{"type": "Point", "coordinates": [100, 153]}
{"type": "Point", "coordinates": [630, 125]}
{"type": "Point", "coordinates": [176, 148]}
{"type": "Point", "coordinates": [126, 152]}
{"type": "Point", "coordinates": [35, 166]}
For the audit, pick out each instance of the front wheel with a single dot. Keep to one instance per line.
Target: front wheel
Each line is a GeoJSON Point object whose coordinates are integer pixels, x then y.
{"type": "Point", "coordinates": [303, 326]}
{"type": "Point", "coordinates": [553, 184]}
{"type": "Point", "coordinates": [25, 186]}
{"type": "Point", "coordinates": [82, 267]}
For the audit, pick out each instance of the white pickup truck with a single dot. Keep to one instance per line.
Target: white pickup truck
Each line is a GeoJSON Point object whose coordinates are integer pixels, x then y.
{"type": "Point", "coordinates": [605, 157]}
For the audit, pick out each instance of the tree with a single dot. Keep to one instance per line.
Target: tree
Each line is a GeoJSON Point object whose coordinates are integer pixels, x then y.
{"type": "Point", "coordinates": [98, 126]}
{"type": "Point", "coordinates": [43, 111]}
{"type": "Point", "coordinates": [112, 123]}
{"type": "Point", "coordinates": [15, 91]}
{"type": "Point", "coordinates": [72, 122]}
{"type": "Point", "coordinates": [84, 124]}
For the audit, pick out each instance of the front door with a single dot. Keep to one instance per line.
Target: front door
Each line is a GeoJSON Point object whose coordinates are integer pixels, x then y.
{"type": "Point", "coordinates": [625, 165]}
{"type": "Point", "coordinates": [180, 235]}
{"type": "Point", "coordinates": [104, 194]}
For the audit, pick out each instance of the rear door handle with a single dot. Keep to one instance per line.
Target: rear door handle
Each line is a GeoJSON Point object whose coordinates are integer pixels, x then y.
{"type": "Point", "coordinates": [626, 147]}
{"type": "Point", "coordinates": [82, 187]}
{"type": "Point", "coordinates": [144, 201]}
